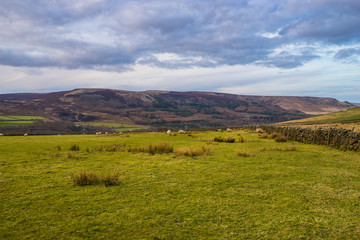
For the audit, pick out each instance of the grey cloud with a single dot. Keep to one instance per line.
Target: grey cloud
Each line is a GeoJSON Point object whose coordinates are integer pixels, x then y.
{"type": "Point", "coordinates": [17, 58]}
{"type": "Point", "coordinates": [288, 60]}
{"type": "Point", "coordinates": [203, 33]}
{"type": "Point", "coordinates": [346, 53]}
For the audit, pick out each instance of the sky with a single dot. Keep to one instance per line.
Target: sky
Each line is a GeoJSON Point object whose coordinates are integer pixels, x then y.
{"type": "Point", "coordinates": [248, 47]}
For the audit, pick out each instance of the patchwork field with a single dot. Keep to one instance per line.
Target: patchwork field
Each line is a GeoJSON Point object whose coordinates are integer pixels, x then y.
{"type": "Point", "coordinates": [118, 127]}
{"type": "Point", "coordinates": [8, 120]}
{"type": "Point", "coordinates": [253, 188]}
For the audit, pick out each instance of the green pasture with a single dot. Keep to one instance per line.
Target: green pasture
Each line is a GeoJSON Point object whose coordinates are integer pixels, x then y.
{"type": "Point", "coordinates": [346, 116]}
{"type": "Point", "coordinates": [10, 120]}
{"type": "Point", "coordinates": [281, 191]}
{"type": "Point", "coordinates": [118, 127]}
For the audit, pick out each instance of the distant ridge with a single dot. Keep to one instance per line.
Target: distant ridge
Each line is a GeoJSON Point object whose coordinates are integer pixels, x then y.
{"type": "Point", "coordinates": [165, 108]}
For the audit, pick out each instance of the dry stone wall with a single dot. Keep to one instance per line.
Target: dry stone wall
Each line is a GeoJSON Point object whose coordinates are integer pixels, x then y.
{"type": "Point", "coordinates": [333, 137]}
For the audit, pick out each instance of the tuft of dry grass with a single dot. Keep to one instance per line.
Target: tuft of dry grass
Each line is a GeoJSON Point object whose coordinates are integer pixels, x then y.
{"type": "Point", "coordinates": [74, 147]}
{"type": "Point", "coordinates": [292, 148]}
{"type": "Point", "coordinates": [73, 155]}
{"type": "Point", "coordinates": [84, 178]}
{"type": "Point", "coordinates": [192, 152]}
{"type": "Point", "coordinates": [153, 149]}
{"type": "Point", "coordinates": [244, 154]}
{"type": "Point", "coordinates": [280, 138]}
{"type": "Point", "coordinates": [242, 139]}
{"type": "Point", "coordinates": [263, 136]}
{"type": "Point", "coordinates": [111, 148]}
{"type": "Point", "coordinates": [110, 179]}
{"type": "Point", "coordinates": [274, 135]}
{"type": "Point", "coordinates": [224, 139]}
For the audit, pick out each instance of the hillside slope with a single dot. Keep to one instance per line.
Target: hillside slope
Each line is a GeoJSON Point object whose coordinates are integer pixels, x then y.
{"type": "Point", "coordinates": [346, 116]}
{"type": "Point", "coordinates": [348, 119]}
{"type": "Point", "coordinates": [165, 108]}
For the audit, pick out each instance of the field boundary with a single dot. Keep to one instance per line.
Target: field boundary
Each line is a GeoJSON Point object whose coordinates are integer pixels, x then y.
{"type": "Point", "coordinates": [342, 139]}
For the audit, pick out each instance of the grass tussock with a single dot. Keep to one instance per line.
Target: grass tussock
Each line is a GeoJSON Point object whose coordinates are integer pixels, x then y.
{"type": "Point", "coordinates": [263, 136]}
{"type": "Point", "coordinates": [288, 149]}
{"type": "Point", "coordinates": [277, 137]}
{"type": "Point", "coordinates": [110, 179]}
{"type": "Point", "coordinates": [153, 149]}
{"type": "Point", "coordinates": [85, 178]}
{"type": "Point", "coordinates": [111, 148]}
{"type": "Point", "coordinates": [72, 155]}
{"type": "Point", "coordinates": [274, 135]}
{"type": "Point", "coordinates": [224, 139]}
{"type": "Point", "coordinates": [244, 153]}
{"type": "Point", "coordinates": [242, 139]}
{"type": "Point", "coordinates": [208, 141]}
{"type": "Point", "coordinates": [280, 138]}
{"type": "Point", "coordinates": [192, 152]}
{"type": "Point", "coordinates": [74, 147]}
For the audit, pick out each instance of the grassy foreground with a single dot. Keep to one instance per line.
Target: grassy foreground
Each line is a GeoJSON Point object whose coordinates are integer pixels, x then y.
{"type": "Point", "coordinates": [255, 189]}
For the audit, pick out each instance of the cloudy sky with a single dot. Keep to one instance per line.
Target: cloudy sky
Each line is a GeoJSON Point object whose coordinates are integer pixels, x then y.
{"type": "Point", "coordinates": [256, 47]}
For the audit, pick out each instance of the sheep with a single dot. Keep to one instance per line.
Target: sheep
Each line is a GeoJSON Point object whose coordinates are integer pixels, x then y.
{"type": "Point", "coordinates": [168, 132]}
{"type": "Point", "coordinates": [228, 130]}
{"type": "Point", "coordinates": [1, 134]}
{"type": "Point", "coordinates": [181, 132]}
{"type": "Point", "coordinates": [259, 130]}
{"type": "Point", "coordinates": [25, 134]}
{"type": "Point", "coordinates": [219, 130]}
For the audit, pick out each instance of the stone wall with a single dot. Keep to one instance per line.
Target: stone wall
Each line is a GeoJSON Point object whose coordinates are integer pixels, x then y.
{"type": "Point", "coordinates": [333, 137]}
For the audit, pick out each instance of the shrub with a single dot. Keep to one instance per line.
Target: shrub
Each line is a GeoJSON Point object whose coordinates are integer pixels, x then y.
{"type": "Point", "coordinates": [244, 154]}
{"type": "Point", "coordinates": [74, 147]}
{"type": "Point", "coordinates": [153, 149]}
{"type": "Point", "coordinates": [84, 178]}
{"type": "Point", "coordinates": [191, 152]}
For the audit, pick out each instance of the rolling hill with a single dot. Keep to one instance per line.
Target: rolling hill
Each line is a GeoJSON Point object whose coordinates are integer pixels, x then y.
{"type": "Point", "coordinates": [164, 108]}
{"type": "Point", "coordinates": [346, 116]}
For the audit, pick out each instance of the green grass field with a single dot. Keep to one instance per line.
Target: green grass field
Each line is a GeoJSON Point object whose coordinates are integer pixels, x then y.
{"type": "Point", "coordinates": [10, 120]}
{"type": "Point", "coordinates": [350, 115]}
{"type": "Point", "coordinates": [279, 191]}
{"type": "Point", "coordinates": [118, 127]}
{"type": "Point", "coordinates": [348, 119]}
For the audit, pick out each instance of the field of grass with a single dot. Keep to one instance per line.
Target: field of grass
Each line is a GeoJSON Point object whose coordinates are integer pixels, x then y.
{"type": "Point", "coordinates": [254, 189]}
{"type": "Point", "coordinates": [10, 120]}
{"type": "Point", "coordinates": [118, 127]}
{"type": "Point", "coordinates": [348, 119]}
{"type": "Point", "coordinates": [350, 115]}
